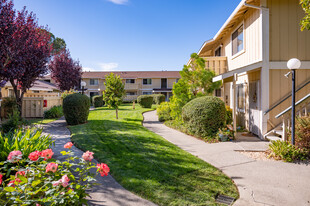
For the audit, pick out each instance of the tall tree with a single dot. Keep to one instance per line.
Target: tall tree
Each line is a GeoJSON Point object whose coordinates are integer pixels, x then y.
{"type": "Point", "coordinates": [25, 49]}
{"type": "Point", "coordinates": [65, 71]}
{"type": "Point", "coordinates": [114, 92]}
{"type": "Point", "coordinates": [305, 22]}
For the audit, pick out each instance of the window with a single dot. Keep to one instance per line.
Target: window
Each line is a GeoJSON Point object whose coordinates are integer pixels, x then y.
{"type": "Point", "coordinates": [218, 92]}
{"type": "Point", "coordinates": [130, 93]}
{"type": "Point", "coordinates": [93, 82]}
{"type": "Point", "coordinates": [218, 52]}
{"type": "Point", "coordinates": [36, 91]}
{"type": "Point", "coordinates": [147, 93]}
{"type": "Point", "coordinates": [130, 81]}
{"type": "Point", "coordinates": [240, 97]}
{"type": "Point", "coordinates": [237, 40]}
{"type": "Point", "coordinates": [147, 81]}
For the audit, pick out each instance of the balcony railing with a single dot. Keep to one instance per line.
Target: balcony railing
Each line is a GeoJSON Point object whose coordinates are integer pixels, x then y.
{"type": "Point", "coordinates": [131, 86]}
{"type": "Point", "coordinates": [216, 64]}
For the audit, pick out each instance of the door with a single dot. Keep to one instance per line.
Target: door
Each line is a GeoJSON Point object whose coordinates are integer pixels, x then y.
{"type": "Point", "coordinates": [254, 107]}
{"type": "Point", "coordinates": [164, 83]}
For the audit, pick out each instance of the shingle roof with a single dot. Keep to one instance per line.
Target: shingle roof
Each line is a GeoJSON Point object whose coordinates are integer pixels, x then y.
{"type": "Point", "coordinates": [134, 74]}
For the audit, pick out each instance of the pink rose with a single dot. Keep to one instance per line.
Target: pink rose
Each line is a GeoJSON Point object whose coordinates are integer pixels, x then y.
{"type": "Point", "coordinates": [34, 156]}
{"type": "Point", "coordinates": [51, 167]}
{"type": "Point", "coordinates": [68, 145]}
{"type": "Point", "coordinates": [103, 169]}
{"type": "Point", "coordinates": [14, 156]}
{"type": "Point", "coordinates": [88, 156]}
{"type": "Point", "coordinates": [12, 183]}
{"type": "Point", "coordinates": [1, 178]}
{"type": "Point", "coordinates": [22, 173]}
{"type": "Point", "coordinates": [56, 183]}
{"type": "Point", "coordinates": [47, 154]}
{"type": "Point", "coordinates": [65, 181]}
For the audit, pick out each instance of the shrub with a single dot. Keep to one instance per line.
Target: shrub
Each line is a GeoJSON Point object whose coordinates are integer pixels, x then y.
{"type": "Point", "coordinates": [46, 181]}
{"type": "Point", "coordinates": [76, 108]}
{"type": "Point", "coordinates": [158, 98]}
{"type": "Point", "coordinates": [67, 93]}
{"type": "Point", "coordinates": [26, 141]}
{"type": "Point", "coordinates": [204, 116]}
{"type": "Point", "coordinates": [145, 101]}
{"type": "Point", "coordinates": [12, 123]}
{"type": "Point", "coordinates": [229, 117]}
{"type": "Point", "coordinates": [285, 151]}
{"type": "Point", "coordinates": [163, 112]}
{"type": "Point", "coordinates": [98, 101]}
{"type": "Point", "coordinates": [302, 133]}
{"type": "Point", "coordinates": [8, 105]}
{"type": "Point", "coordinates": [54, 112]}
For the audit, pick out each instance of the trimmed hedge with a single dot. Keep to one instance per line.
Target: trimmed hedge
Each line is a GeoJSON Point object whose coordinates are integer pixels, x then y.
{"type": "Point", "coordinates": [98, 101]}
{"type": "Point", "coordinates": [158, 98]}
{"type": "Point", "coordinates": [76, 108]}
{"type": "Point", "coordinates": [163, 112]}
{"type": "Point", "coordinates": [54, 112]}
{"type": "Point", "coordinates": [145, 101]}
{"type": "Point", "coordinates": [204, 116]}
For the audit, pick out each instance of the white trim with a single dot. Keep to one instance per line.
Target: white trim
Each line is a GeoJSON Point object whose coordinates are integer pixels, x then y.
{"type": "Point", "coordinates": [233, 56]}
{"type": "Point", "coordinates": [283, 65]}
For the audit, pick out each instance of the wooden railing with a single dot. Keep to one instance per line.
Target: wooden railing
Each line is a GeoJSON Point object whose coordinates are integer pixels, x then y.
{"type": "Point", "coordinates": [302, 108]}
{"type": "Point", "coordinates": [216, 64]}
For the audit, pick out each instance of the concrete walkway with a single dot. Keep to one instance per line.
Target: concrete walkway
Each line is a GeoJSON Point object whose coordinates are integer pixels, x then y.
{"type": "Point", "coordinates": [259, 182]}
{"type": "Point", "coordinates": [109, 192]}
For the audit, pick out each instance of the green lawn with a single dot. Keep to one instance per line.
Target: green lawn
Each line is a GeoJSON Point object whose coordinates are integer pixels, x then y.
{"type": "Point", "coordinates": [147, 164]}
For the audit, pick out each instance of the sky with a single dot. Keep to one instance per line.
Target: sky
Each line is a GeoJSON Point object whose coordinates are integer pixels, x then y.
{"type": "Point", "coordinates": [131, 35]}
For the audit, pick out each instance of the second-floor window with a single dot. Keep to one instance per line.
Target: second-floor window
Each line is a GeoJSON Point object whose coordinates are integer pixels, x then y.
{"type": "Point", "coordinates": [130, 81]}
{"type": "Point", "coordinates": [93, 82]}
{"type": "Point", "coordinates": [237, 40]}
{"type": "Point", "coordinates": [130, 93]}
{"type": "Point", "coordinates": [147, 81]}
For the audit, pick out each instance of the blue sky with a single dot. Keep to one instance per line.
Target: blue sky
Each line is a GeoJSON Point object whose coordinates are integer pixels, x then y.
{"type": "Point", "coordinates": [131, 35]}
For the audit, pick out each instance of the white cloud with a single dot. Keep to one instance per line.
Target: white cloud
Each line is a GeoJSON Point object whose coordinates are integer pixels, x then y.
{"type": "Point", "coordinates": [120, 2]}
{"type": "Point", "coordinates": [88, 69]}
{"type": "Point", "coordinates": [108, 66]}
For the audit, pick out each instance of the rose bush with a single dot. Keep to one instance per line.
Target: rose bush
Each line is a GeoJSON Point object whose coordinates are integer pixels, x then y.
{"type": "Point", "coordinates": [41, 180]}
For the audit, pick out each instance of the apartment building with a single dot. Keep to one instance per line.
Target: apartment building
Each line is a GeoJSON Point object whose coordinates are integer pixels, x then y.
{"type": "Point", "coordinates": [136, 82]}
{"type": "Point", "coordinates": [249, 54]}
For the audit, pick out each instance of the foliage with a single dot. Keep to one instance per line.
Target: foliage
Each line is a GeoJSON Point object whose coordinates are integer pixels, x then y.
{"type": "Point", "coordinates": [58, 44]}
{"type": "Point", "coordinates": [98, 101]}
{"type": "Point", "coordinates": [145, 101]}
{"type": "Point", "coordinates": [204, 116]}
{"type": "Point", "coordinates": [181, 95]}
{"type": "Point", "coordinates": [12, 123]}
{"type": "Point", "coordinates": [305, 22]}
{"type": "Point", "coordinates": [76, 108]}
{"type": "Point", "coordinates": [8, 105]}
{"type": "Point", "coordinates": [46, 181]}
{"type": "Point", "coordinates": [225, 134]}
{"type": "Point", "coordinates": [163, 112]}
{"type": "Point", "coordinates": [26, 141]}
{"type": "Point", "coordinates": [147, 164]}
{"type": "Point", "coordinates": [65, 71]}
{"type": "Point", "coordinates": [286, 151]}
{"type": "Point", "coordinates": [158, 98]}
{"type": "Point", "coordinates": [67, 93]}
{"type": "Point", "coordinates": [229, 117]}
{"type": "Point", "coordinates": [54, 112]}
{"type": "Point", "coordinates": [302, 132]}
{"type": "Point", "coordinates": [114, 92]}
{"type": "Point", "coordinates": [24, 51]}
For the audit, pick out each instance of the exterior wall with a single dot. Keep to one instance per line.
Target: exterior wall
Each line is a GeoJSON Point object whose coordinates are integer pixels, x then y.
{"type": "Point", "coordinates": [286, 39]}
{"type": "Point", "coordinates": [280, 86]}
{"type": "Point", "coordinates": [170, 83]}
{"type": "Point", "coordinates": [252, 41]}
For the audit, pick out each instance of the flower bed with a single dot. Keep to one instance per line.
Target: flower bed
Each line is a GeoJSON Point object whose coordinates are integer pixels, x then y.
{"type": "Point", "coordinates": [41, 180]}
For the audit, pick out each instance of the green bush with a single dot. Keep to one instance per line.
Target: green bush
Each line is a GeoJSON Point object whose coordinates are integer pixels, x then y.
{"type": "Point", "coordinates": [145, 101]}
{"type": "Point", "coordinates": [54, 112]}
{"type": "Point", "coordinates": [26, 141]}
{"type": "Point", "coordinates": [229, 117]}
{"type": "Point", "coordinates": [8, 105]}
{"type": "Point", "coordinates": [158, 98]}
{"type": "Point", "coordinates": [12, 123]}
{"type": "Point", "coordinates": [284, 150]}
{"type": "Point", "coordinates": [204, 116]}
{"type": "Point", "coordinates": [98, 101]}
{"type": "Point", "coordinates": [163, 112]}
{"type": "Point", "coordinates": [76, 108]}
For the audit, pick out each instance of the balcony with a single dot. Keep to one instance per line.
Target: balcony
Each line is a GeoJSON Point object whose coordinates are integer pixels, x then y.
{"type": "Point", "coordinates": [216, 64]}
{"type": "Point", "coordinates": [131, 86]}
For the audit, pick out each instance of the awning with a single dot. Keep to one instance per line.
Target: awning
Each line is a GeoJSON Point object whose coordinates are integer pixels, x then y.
{"type": "Point", "coordinates": [240, 70]}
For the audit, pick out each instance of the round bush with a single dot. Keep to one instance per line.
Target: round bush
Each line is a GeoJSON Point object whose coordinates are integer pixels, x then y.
{"type": "Point", "coordinates": [76, 108]}
{"type": "Point", "coordinates": [98, 101]}
{"type": "Point", "coordinates": [163, 112]}
{"type": "Point", "coordinates": [145, 101]}
{"type": "Point", "coordinates": [158, 98]}
{"type": "Point", "coordinates": [204, 116]}
{"type": "Point", "coordinates": [54, 112]}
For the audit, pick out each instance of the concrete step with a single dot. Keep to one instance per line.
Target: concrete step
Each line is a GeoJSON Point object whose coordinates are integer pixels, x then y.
{"type": "Point", "coordinates": [278, 132]}
{"type": "Point", "coordinates": [273, 138]}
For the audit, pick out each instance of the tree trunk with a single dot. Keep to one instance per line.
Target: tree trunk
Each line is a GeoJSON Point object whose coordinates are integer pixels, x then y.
{"type": "Point", "coordinates": [18, 97]}
{"type": "Point", "coordinates": [116, 113]}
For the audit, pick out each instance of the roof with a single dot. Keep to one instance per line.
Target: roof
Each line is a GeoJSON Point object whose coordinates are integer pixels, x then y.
{"type": "Point", "coordinates": [39, 85]}
{"type": "Point", "coordinates": [134, 74]}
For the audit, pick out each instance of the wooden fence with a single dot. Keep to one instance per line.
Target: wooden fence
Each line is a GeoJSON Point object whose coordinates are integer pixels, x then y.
{"type": "Point", "coordinates": [34, 106]}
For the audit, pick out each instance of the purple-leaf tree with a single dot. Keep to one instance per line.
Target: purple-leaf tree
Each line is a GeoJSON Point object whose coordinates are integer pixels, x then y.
{"type": "Point", "coordinates": [25, 49]}
{"type": "Point", "coordinates": [65, 71]}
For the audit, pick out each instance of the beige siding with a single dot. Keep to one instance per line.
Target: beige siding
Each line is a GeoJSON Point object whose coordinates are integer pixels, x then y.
{"type": "Point", "coordinates": [280, 86]}
{"type": "Point", "coordinates": [171, 82]}
{"type": "Point", "coordinates": [286, 39]}
{"type": "Point", "coordinates": [252, 41]}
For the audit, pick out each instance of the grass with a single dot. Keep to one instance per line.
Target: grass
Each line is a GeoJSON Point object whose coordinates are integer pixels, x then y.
{"type": "Point", "coordinates": [146, 164]}
{"type": "Point", "coordinates": [39, 121]}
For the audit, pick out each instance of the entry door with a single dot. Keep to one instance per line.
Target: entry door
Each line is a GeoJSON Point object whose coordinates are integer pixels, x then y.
{"type": "Point", "coordinates": [164, 83]}
{"type": "Point", "coordinates": [254, 107]}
